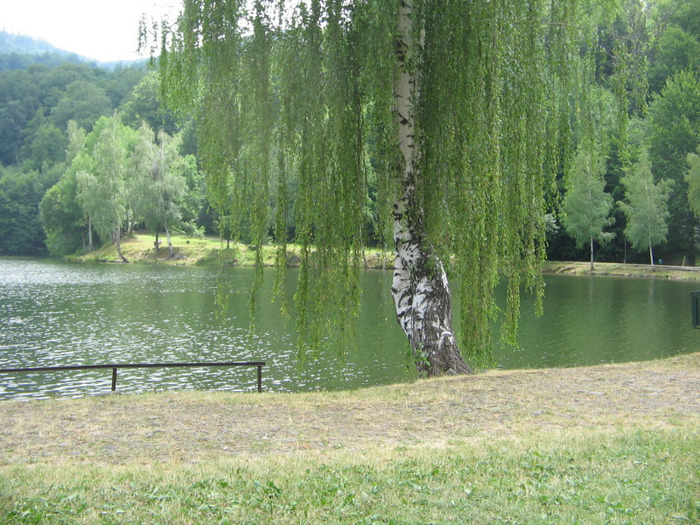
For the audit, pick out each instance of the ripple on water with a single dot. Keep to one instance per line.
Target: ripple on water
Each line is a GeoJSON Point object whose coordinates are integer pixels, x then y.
{"type": "Point", "coordinates": [54, 314]}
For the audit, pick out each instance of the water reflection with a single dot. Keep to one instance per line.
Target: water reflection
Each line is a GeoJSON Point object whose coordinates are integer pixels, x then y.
{"type": "Point", "coordinates": [590, 320]}
{"type": "Point", "coordinates": [54, 314]}
{"type": "Point", "coordinates": [58, 314]}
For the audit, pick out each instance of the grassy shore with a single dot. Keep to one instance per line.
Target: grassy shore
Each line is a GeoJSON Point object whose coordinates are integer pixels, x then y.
{"type": "Point", "coordinates": [139, 248]}
{"type": "Point", "coordinates": [605, 444]}
{"type": "Point", "coordinates": [689, 273]}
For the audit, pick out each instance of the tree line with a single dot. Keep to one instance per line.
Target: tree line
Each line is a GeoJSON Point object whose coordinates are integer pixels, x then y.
{"type": "Point", "coordinates": [51, 121]}
{"type": "Point", "coordinates": [654, 46]}
{"type": "Point", "coordinates": [574, 134]}
{"type": "Point", "coordinates": [117, 178]}
{"type": "Point", "coordinates": [627, 188]}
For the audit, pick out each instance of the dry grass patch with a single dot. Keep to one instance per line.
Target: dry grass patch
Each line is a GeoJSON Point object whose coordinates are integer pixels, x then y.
{"type": "Point", "coordinates": [604, 444]}
{"type": "Point", "coordinates": [198, 426]}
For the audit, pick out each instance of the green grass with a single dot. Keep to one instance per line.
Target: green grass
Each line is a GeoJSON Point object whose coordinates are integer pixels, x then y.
{"type": "Point", "coordinates": [688, 273]}
{"type": "Point", "coordinates": [636, 478]}
{"type": "Point", "coordinates": [139, 248]}
{"type": "Point", "coordinates": [610, 444]}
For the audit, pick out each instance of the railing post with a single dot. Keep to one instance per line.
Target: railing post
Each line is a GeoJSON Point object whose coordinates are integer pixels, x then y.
{"type": "Point", "coordinates": [114, 367]}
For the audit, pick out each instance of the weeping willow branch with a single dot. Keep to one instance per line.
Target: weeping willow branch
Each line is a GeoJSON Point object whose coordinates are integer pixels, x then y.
{"type": "Point", "coordinates": [301, 106]}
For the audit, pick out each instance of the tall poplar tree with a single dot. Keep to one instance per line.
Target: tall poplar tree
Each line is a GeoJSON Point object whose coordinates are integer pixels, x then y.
{"type": "Point", "coordinates": [586, 205]}
{"type": "Point", "coordinates": [457, 107]}
{"type": "Point", "coordinates": [647, 206]}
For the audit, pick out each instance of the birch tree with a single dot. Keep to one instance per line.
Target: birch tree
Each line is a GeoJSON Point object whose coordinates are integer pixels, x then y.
{"type": "Point", "coordinates": [158, 183]}
{"type": "Point", "coordinates": [646, 207]}
{"type": "Point", "coordinates": [456, 106]}
{"type": "Point", "coordinates": [586, 205]}
{"type": "Point", "coordinates": [101, 189]}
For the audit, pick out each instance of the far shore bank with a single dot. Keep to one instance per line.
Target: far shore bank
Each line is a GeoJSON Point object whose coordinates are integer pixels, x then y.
{"type": "Point", "coordinates": [189, 251]}
{"type": "Point", "coordinates": [688, 273]}
{"type": "Point", "coordinates": [139, 248]}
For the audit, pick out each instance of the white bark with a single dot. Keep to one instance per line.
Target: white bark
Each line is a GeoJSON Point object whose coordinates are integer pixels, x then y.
{"type": "Point", "coordinates": [118, 244]}
{"type": "Point", "coordinates": [170, 244]}
{"type": "Point", "coordinates": [90, 244]}
{"type": "Point", "coordinates": [420, 288]}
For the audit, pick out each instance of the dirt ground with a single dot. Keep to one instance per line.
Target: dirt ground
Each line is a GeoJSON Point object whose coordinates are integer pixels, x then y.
{"type": "Point", "coordinates": [195, 427]}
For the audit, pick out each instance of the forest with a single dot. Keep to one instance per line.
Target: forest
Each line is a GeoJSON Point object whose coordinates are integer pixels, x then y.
{"type": "Point", "coordinates": [88, 155]}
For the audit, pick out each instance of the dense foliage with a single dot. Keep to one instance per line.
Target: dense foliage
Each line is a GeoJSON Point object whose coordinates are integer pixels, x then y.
{"type": "Point", "coordinates": [45, 114]}
{"type": "Point", "coordinates": [460, 110]}
{"type": "Point", "coordinates": [294, 108]}
{"type": "Point", "coordinates": [649, 45]}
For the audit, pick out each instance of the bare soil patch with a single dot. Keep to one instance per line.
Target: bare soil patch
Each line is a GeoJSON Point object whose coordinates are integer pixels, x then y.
{"type": "Point", "coordinates": [198, 426]}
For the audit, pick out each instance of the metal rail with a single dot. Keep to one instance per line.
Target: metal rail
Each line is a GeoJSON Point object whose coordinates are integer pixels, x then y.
{"type": "Point", "coordinates": [115, 367]}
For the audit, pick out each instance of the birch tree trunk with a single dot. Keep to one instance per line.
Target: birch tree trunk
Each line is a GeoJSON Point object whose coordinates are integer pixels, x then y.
{"type": "Point", "coordinates": [170, 243]}
{"type": "Point", "coordinates": [118, 244]}
{"type": "Point", "coordinates": [420, 288]}
{"type": "Point", "coordinates": [90, 244]}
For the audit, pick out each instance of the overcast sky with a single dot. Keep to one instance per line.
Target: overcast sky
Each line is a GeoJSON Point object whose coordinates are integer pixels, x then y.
{"type": "Point", "coordinates": [103, 30]}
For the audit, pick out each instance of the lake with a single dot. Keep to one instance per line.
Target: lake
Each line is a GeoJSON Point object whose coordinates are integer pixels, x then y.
{"type": "Point", "coordinates": [57, 314]}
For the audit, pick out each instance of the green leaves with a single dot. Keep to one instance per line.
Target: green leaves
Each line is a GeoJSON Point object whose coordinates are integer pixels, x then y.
{"type": "Point", "coordinates": [101, 190]}
{"type": "Point", "coordinates": [647, 206]}
{"type": "Point", "coordinates": [674, 131]}
{"type": "Point", "coordinates": [157, 180]}
{"type": "Point", "coordinates": [586, 205]}
{"type": "Point", "coordinates": [296, 106]}
{"type": "Point", "coordinates": [692, 177]}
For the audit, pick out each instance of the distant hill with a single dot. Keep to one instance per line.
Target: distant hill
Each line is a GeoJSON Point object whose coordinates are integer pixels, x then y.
{"type": "Point", "coordinates": [26, 45]}
{"type": "Point", "coordinates": [21, 51]}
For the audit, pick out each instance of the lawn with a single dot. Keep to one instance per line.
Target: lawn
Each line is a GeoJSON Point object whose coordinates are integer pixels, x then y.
{"type": "Point", "coordinates": [605, 444]}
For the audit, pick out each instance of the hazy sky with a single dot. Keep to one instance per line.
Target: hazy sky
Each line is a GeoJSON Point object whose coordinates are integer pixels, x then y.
{"type": "Point", "coordinates": [103, 30]}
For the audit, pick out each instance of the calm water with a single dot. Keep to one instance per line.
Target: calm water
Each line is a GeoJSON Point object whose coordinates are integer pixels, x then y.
{"type": "Point", "coordinates": [54, 314]}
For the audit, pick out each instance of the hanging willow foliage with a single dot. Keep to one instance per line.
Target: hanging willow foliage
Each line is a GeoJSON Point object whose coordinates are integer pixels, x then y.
{"type": "Point", "coordinates": [484, 117]}
{"type": "Point", "coordinates": [296, 104]}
